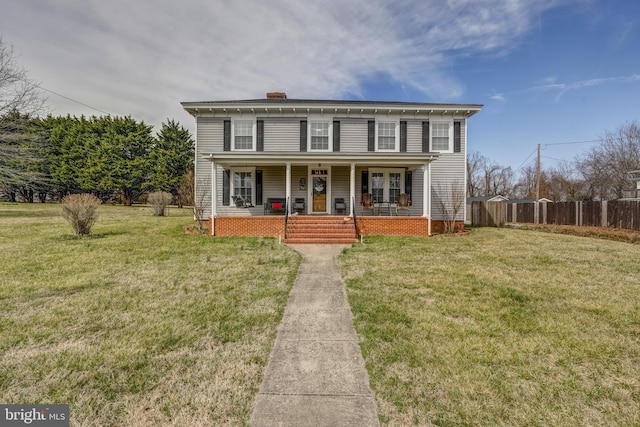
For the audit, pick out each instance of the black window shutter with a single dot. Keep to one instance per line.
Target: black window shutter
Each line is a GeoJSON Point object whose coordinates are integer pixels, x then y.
{"type": "Point", "coordinates": [365, 182]}
{"type": "Point", "coordinates": [226, 187]}
{"type": "Point", "coordinates": [425, 137]}
{"type": "Point", "coordinates": [408, 179]}
{"type": "Point", "coordinates": [260, 136]}
{"type": "Point", "coordinates": [372, 136]}
{"type": "Point", "coordinates": [227, 135]}
{"type": "Point", "coordinates": [258, 187]}
{"type": "Point", "coordinates": [403, 137]}
{"type": "Point", "coordinates": [303, 135]}
{"type": "Point", "coordinates": [457, 146]}
{"type": "Point", "coordinates": [336, 136]}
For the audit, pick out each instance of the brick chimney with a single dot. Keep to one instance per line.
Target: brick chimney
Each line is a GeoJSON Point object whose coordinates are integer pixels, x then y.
{"type": "Point", "coordinates": [276, 95]}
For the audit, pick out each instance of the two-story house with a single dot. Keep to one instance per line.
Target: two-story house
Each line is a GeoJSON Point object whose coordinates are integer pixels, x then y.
{"type": "Point", "coordinates": [262, 164]}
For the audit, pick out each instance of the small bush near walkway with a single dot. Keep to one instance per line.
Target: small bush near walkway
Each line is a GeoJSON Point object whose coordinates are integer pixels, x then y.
{"type": "Point", "coordinates": [80, 211]}
{"type": "Point", "coordinates": [159, 201]}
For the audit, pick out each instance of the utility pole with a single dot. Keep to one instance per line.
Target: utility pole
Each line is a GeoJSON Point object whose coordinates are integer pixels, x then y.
{"type": "Point", "coordinates": [538, 175]}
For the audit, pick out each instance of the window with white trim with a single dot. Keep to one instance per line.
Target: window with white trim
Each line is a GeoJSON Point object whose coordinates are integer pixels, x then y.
{"type": "Point", "coordinates": [387, 136]}
{"type": "Point", "coordinates": [386, 184]}
{"type": "Point", "coordinates": [243, 135]}
{"type": "Point", "coordinates": [319, 136]}
{"type": "Point", "coordinates": [243, 183]}
{"type": "Point", "coordinates": [441, 137]}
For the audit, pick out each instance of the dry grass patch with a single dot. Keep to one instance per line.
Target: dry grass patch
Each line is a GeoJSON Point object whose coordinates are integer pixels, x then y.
{"type": "Point", "coordinates": [503, 327]}
{"type": "Point", "coordinates": [137, 324]}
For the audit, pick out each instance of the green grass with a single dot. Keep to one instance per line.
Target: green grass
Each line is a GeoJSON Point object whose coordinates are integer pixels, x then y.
{"type": "Point", "coordinates": [502, 327]}
{"type": "Point", "coordinates": [137, 324]}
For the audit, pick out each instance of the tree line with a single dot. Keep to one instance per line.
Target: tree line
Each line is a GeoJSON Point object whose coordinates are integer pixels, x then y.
{"type": "Point", "coordinates": [110, 157]}
{"type": "Point", "coordinates": [46, 157]}
{"type": "Point", "coordinates": [601, 173]}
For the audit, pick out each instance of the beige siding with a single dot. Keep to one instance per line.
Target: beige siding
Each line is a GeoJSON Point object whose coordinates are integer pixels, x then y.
{"type": "Point", "coordinates": [353, 135]}
{"type": "Point", "coordinates": [448, 179]}
{"type": "Point", "coordinates": [282, 134]}
{"type": "Point", "coordinates": [414, 136]}
{"type": "Point", "coordinates": [209, 138]}
{"type": "Point", "coordinates": [340, 186]}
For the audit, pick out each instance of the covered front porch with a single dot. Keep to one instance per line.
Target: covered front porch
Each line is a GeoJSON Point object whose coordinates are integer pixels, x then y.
{"type": "Point", "coordinates": [253, 194]}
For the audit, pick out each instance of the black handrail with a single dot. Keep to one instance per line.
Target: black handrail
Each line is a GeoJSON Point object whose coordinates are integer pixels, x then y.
{"type": "Point", "coordinates": [355, 219]}
{"type": "Point", "coordinates": [286, 217]}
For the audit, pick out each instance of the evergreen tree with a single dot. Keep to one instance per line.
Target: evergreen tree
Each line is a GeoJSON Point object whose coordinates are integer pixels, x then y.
{"type": "Point", "coordinates": [172, 156]}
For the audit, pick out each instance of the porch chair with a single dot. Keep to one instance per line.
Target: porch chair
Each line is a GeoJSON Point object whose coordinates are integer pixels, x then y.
{"type": "Point", "coordinates": [241, 202]}
{"type": "Point", "coordinates": [339, 205]}
{"type": "Point", "coordinates": [367, 202]}
{"type": "Point", "coordinates": [403, 203]}
{"type": "Point", "coordinates": [298, 205]}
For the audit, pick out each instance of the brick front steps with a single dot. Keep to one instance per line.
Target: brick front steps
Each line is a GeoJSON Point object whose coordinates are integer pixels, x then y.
{"type": "Point", "coordinates": [320, 229]}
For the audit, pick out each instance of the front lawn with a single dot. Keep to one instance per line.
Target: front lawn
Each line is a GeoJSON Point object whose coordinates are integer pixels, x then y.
{"type": "Point", "coordinates": [502, 327]}
{"type": "Point", "coordinates": [137, 324]}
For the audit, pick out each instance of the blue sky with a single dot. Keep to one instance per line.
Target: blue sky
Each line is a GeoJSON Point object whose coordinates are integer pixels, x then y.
{"type": "Point", "coordinates": [548, 72]}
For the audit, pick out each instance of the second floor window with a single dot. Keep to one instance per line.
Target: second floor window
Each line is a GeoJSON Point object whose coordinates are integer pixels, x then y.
{"type": "Point", "coordinates": [319, 136]}
{"type": "Point", "coordinates": [243, 135]}
{"type": "Point", "coordinates": [440, 137]}
{"type": "Point", "coordinates": [386, 136]}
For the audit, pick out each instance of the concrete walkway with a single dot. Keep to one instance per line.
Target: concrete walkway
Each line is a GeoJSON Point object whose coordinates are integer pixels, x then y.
{"type": "Point", "coordinates": [316, 375]}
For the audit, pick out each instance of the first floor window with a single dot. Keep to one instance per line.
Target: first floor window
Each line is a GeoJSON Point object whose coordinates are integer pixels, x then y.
{"type": "Point", "coordinates": [243, 134]}
{"type": "Point", "coordinates": [319, 136]}
{"type": "Point", "coordinates": [394, 186]}
{"type": "Point", "coordinates": [377, 186]}
{"type": "Point", "coordinates": [440, 137]}
{"type": "Point", "coordinates": [386, 136]}
{"type": "Point", "coordinates": [243, 185]}
{"type": "Point", "coordinates": [386, 184]}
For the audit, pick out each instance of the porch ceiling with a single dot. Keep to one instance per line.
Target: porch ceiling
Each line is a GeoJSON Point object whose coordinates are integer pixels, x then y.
{"type": "Point", "coordinates": [306, 158]}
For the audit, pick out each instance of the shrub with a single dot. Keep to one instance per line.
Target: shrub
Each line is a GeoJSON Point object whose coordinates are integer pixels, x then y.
{"type": "Point", "coordinates": [159, 201]}
{"type": "Point", "coordinates": [80, 212]}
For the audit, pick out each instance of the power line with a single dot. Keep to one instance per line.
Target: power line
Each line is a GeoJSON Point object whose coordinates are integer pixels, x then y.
{"type": "Point", "coordinates": [72, 100]}
{"type": "Point", "coordinates": [591, 141]}
{"type": "Point", "coordinates": [525, 160]}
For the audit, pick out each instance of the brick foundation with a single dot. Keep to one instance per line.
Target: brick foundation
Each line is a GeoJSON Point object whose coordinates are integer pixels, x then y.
{"type": "Point", "coordinates": [273, 226]}
{"type": "Point", "coordinates": [392, 226]}
{"type": "Point", "coordinates": [267, 226]}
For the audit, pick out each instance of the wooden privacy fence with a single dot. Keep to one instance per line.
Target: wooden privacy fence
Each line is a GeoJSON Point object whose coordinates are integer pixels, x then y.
{"type": "Point", "coordinates": [488, 214]}
{"type": "Point", "coordinates": [613, 213]}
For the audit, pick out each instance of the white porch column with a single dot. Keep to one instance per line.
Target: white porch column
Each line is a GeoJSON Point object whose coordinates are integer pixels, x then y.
{"type": "Point", "coordinates": [352, 189]}
{"type": "Point", "coordinates": [214, 205]}
{"type": "Point", "coordinates": [288, 185]}
{"type": "Point", "coordinates": [426, 195]}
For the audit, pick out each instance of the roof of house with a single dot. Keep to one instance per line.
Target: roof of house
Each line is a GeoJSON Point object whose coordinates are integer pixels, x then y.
{"type": "Point", "coordinates": [495, 198]}
{"type": "Point", "coordinates": [271, 105]}
{"type": "Point", "coordinates": [542, 199]}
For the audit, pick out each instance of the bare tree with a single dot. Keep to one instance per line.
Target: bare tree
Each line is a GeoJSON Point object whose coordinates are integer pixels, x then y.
{"type": "Point", "coordinates": [17, 91]}
{"type": "Point", "coordinates": [451, 199]}
{"type": "Point", "coordinates": [202, 193]}
{"type": "Point", "coordinates": [487, 178]}
{"type": "Point", "coordinates": [475, 162]}
{"type": "Point", "coordinates": [565, 185]}
{"type": "Point", "coordinates": [605, 167]}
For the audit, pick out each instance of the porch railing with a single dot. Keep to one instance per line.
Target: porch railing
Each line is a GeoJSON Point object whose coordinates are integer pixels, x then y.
{"type": "Point", "coordinates": [355, 217]}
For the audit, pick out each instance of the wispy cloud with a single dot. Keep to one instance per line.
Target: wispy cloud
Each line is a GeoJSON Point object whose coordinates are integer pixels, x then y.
{"type": "Point", "coordinates": [143, 57]}
{"type": "Point", "coordinates": [563, 88]}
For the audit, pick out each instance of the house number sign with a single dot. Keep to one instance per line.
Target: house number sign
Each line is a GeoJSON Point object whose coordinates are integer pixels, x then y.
{"type": "Point", "coordinates": [319, 172]}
